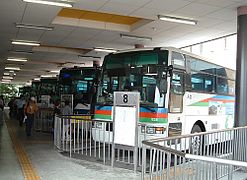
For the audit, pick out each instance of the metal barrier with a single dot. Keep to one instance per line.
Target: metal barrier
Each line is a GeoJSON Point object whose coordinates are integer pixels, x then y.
{"type": "Point", "coordinates": [80, 136]}
{"type": "Point", "coordinates": [44, 120]}
{"type": "Point", "coordinates": [206, 156]}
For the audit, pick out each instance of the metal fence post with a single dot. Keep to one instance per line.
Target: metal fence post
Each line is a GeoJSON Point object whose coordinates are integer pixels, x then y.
{"type": "Point", "coordinates": [144, 151]}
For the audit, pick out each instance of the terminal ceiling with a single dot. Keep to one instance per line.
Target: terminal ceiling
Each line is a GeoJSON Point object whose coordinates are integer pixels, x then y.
{"type": "Point", "coordinates": [73, 38]}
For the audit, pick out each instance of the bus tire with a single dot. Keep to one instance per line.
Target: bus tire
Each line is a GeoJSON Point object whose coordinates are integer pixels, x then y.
{"type": "Point", "coordinates": [196, 142]}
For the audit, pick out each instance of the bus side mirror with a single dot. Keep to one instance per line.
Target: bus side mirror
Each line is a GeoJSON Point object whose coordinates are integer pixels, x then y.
{"type": "Point", "coordinates": [163, 86]}
{"type": "Point", "coordinates": [170, 69]}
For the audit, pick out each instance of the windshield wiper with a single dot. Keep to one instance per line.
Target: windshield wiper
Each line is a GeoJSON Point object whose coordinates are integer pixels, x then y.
{"type": "Point", "coordinates": [102, 104]}
{"type": "Point", "coordinates": [148, 108]}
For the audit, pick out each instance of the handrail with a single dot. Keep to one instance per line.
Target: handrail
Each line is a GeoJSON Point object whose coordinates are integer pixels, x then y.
{"type": "Point", "coordinates": [216, 160]}
{"type": "Point", "coordinates": [191, 135]}
{"type": "Point", "coordinates": [167, 149]}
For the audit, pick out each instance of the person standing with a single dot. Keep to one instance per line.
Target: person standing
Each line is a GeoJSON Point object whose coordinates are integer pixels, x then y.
{"type": "Point", "coordinates": [20, 109]}
{"type": "Point", "coordinates": [30, 109]}
{"type": "Point", "coordinates": [66, 110]}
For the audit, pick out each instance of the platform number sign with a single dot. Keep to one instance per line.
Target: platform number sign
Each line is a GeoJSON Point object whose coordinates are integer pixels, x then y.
{"type": "Point", "coordinates": [125, 98]}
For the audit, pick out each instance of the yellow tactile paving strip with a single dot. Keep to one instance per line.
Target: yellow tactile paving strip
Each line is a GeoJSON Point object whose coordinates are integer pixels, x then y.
{"type": "Point", "coordinates": [27, 168]}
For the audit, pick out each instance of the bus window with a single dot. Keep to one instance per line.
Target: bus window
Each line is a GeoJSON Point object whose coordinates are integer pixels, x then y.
{"type": "Point", "coordinates": [231, 87]}
{"type": "Point", "coordinates": [177, 91]}
{"type": "Point", "coordinates": [202, 82]}
{"type": "Point", "coordinates": [222, 86]}
{"type": "Point", "coordinates": [178, 59]}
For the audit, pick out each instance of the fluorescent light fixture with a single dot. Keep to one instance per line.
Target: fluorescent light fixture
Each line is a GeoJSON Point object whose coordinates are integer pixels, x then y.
{"type": "Point", "coordinates": [17, 59]}
{"type": "Point", "coordinates": [12, 71]}
{"type": "Point", "coordinates": [32, 26]}
{"type": "Point", "coordinates": [3, 82]}
{"type": "Point", "coordinates": [13, 68]}
{"type": "Point", "coordinates": [177, 20]}
{"type": "Point", "coordinates": [26, 43]}
{"type": "Point", "coordinates": [52, 3]}
{"type": "Point", "coordinates": [54, 71]}
{"type": "Point", "coordinates": [6, 80]}
{"type": "Point", "coordinates": [84, 56]}
{"type": "Point", "coordinates": [7, 77]}
{"type": "Point", "coordinates": [36, 79]}
{"type": "Point", "coordinates": [48, 75]}
{"type": "Point", "coordinates": [21, 51]}
{"type": "Point", "coordinates": [6, 74]}
{"type": "Point", "coordinates": [140, 38]}
{"type": "Point", "coordinates": [102, 49]}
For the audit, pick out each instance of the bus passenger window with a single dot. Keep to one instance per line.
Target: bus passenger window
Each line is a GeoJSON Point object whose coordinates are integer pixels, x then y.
{"type": "Point", "coordinates": [177, 84]}
{"type": "Point", "coordinates": [176, 95]}
{"type": "Point", "coordinates": [222, 86]}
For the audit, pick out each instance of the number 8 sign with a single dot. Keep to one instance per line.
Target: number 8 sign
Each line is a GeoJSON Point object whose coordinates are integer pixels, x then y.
{"type": "Point", "coordinates": [125, 98]}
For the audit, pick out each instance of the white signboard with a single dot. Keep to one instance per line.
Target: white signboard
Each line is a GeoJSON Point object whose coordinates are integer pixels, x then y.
{"type": "Point", "coordinates": [125, 125]}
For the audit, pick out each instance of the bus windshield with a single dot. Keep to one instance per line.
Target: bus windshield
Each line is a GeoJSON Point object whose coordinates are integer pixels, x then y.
{"type": "Point", "coordinates": [79, 82]}
{"type": "Point", "coordinates": [133, 72]}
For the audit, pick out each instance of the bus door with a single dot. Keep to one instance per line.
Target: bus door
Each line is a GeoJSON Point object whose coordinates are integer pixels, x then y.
{"type": "Point", "coordinates": [177, 90]}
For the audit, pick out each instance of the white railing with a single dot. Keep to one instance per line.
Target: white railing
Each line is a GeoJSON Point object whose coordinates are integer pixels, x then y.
{"type": "Point", "coordinates": [80, 136]}
{"type": "Point", "coordinates": [200, 156]}
{"type": "Point", "coordinates": [44, 120]}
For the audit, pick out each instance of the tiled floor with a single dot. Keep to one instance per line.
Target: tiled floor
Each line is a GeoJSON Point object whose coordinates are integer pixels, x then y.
{"type": "Point", "coordinates": [49, 164]}
{"type": "Point", "coordinates": [9, 165]}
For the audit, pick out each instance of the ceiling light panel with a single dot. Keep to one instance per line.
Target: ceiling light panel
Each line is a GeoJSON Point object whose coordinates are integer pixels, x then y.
{"type": "Point", "coordinates": [7, 77]}
{"type": "Point", "coordinates": [139, 38]}
{"type": "Point", "coordinates": [54, 71]}
{"type": "Point", "coordinates": [25, 43]}
{"type": "Point", "coordinates": [17, 59]}
{"type": "Point", "coordinates": [32, 26]}
{"type": "Point", "coordinates": [101, 49]}
{"type": "Point", "coordinates": [177, 20]}
{"type": "Point", "coordinates": [13, 68]}
{"type": "Point", "coordinates": [51, 3]}
{"type": "Point", "coordinates": [6, 80]}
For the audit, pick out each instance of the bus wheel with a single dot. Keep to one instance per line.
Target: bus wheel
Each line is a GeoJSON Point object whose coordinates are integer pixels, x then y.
{"type": "Point", "coordinates": [196, 142]}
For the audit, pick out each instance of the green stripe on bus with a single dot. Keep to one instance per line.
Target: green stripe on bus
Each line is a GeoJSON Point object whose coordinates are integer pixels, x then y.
{"type": "Point", "coordinates": [200, 104]}
{"type": "Point", "coordinates": [101, 116]}
{"type": "Point", "coordinates": [153, 120]}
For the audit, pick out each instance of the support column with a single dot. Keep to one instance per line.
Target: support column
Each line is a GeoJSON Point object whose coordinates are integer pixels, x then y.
{"type": "Point", "coordinates": [241, 69]}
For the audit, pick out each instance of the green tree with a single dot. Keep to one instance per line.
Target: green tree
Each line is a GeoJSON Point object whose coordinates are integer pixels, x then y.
{"type": "Point", "coordinates": [8, 90]}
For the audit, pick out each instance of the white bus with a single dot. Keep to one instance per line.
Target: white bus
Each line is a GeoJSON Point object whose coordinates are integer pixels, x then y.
{"type": "Point", "coordinates": [181, 93]}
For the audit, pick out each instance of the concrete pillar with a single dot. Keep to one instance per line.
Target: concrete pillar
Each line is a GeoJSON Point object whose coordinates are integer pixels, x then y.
{"type": "Point", "coordinates": [241, 72]}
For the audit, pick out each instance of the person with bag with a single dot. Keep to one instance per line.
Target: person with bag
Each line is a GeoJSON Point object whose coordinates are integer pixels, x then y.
{"type": "Point", "coordinates": [30, 109]}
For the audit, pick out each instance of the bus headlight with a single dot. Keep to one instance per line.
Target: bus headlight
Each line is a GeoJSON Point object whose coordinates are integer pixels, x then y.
{"type": "Point", "coordinates": [150, 130]}
{"type": "Point", "coordinates": [154, 130]}
{"type": "Point", "coordinates": [159, 130]}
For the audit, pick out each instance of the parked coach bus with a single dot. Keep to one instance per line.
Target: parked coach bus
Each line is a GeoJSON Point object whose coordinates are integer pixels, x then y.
{"type": "Point", "coordinates": [181, 93]}
{"type": "Point", "coordinates": [79, 82]}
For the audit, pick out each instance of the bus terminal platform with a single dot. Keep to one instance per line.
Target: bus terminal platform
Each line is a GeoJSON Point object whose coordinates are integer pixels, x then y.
{"type": "Point", "coordinates": [34, 158]}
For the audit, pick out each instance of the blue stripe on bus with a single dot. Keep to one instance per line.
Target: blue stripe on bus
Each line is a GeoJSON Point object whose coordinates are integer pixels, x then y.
{"type": "Point", "coordinates": [221, 97]}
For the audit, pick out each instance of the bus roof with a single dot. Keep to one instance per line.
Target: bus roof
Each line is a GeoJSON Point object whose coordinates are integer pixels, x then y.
{"type": "Point", "coordinates": [169, 49]}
